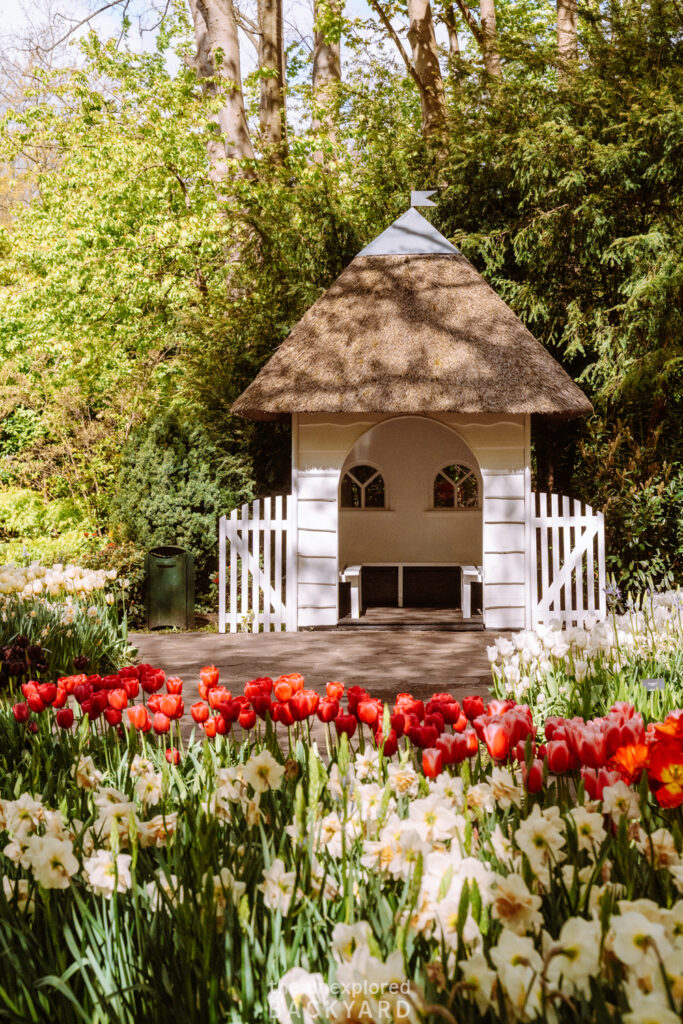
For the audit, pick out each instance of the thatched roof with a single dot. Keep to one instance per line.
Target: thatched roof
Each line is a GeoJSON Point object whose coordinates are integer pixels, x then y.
{"type": "Point", "coordinates": [411, 332]}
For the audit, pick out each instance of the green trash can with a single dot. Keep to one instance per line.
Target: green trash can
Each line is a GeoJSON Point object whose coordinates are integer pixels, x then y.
{"type": "Point", "coordinates": [170, 588]}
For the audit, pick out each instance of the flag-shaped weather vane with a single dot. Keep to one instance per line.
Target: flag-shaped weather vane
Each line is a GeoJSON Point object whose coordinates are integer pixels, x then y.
{"type": "Point", "coordinates": [422, 198]}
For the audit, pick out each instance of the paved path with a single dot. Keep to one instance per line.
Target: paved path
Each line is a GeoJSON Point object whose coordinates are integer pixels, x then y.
{"type": "Point", "coordinates": [385, 663]}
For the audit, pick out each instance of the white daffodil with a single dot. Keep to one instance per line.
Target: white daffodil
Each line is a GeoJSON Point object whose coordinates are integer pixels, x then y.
{"type": "Point", "coordinates": [632, 937]}
{"type": "Point", "coordinates": [504, 788]}
{"type": "Point", "coordinates": [347, 938]}
{"type": "Point", "coordinates": [107, 873]}
{"type": "Point", "coordinates": [85, 773]}
{"type": "Point", "coordinates": [514, 906]}
{"type": "Point", "coordinates": [651, 1008]}
{"type": "Point", "coordinates": [52, 861]}
{"type": "Point", "coordinates": [263, 772]}
{"type": "Point", "coordinates": [404, 779]}
{"type": "Point", "coordinates": [577, 955]}
{"type": "Point", "coordinates": [432, 819]}
{"type": "Point", "coordinates": [308, 994]}
{"type": "Point", "coordinates": [278, 887]}
{"type": "Point", "coordinates": [589, 826]}
{"type": "Point", "coordinates": [479, 979]}
{"type": "Point", "coordinates": [620, 801]}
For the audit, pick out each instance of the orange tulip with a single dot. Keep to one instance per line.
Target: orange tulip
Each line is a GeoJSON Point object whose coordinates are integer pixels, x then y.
{"type": "Point", "coordinates": [335, 690]}
{"type": "Point", "coordinates": [174, 684]}
{"type": "Point", "coordinates": [209, 676]}
{"type": "Point", "coordinates": [138, 716]}
{"type": "Point", "coordinates": [118, 698]}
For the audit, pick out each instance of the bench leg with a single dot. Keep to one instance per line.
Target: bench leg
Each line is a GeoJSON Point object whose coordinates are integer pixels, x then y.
{"type": "Point", "coordinates": [355, 598]}
{"type": "Point", "coordinates": [467, 600]}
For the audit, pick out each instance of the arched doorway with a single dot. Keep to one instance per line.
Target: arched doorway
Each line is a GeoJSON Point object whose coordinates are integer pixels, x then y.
{"type": "Point", "coordinates": [410, 517]}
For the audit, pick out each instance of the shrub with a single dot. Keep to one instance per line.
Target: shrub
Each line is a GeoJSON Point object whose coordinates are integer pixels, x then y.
{"type": "Point", "coordinates": [173, 485]}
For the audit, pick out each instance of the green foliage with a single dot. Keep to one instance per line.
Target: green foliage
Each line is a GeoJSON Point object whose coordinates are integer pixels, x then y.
{"type": "Point", "coordinates": [129, 563]}
{"type": "Point", "coordinates": [173, 485]}
{"type": "Point", "coordinates": [129, 277]}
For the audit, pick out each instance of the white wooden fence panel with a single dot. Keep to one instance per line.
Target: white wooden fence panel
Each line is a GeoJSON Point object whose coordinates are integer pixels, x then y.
{"type": "Point", "coordinates": [570, 538]}
{"type": "Point", "coordinates": [251, 543]}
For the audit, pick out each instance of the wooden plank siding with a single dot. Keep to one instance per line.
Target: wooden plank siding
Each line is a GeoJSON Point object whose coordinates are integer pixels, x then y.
{"type": "Point", "coordinates": [320, 445]}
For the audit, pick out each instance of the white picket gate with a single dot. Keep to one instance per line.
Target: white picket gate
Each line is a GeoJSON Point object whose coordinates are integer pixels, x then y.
{"type": "Point", "coordinates": [257, 584]}
{"type": "Point", "coordinates": [569, 584]}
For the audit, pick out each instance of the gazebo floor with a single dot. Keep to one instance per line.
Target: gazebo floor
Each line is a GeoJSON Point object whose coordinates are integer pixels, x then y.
{"type": "Point", "coordinates": [441, 620]}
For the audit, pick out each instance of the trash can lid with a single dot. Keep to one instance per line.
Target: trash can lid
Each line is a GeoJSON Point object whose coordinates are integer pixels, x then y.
{"type": "Point", "coordinates": [168, 551]}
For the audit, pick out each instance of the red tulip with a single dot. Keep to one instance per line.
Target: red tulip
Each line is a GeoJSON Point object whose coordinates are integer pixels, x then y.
{"type": "Point", "coordinates": [369, 710]}
{"type": "Point", "coordinates": [209, 676]}
{"type": "Point", "coordinates": [247, 718]}
{"type": "Point", "coordinates": [497, 740]}
{"type": "Point", "coordinates": [398, 723]}
{"type": "Point", "coordinates": [161, 723]}
{"type": "Point", "coordinates": [328, 709]}
{"type": "Point", "coordinates": [131, 687]}
{"type": "Point", "coordinates": [61, 698]}
{"type": "Point", "coordinates": [47, 692]}
{"type": "Point", "coordinates": [154, 702]}
{"type": "Point", "coordinates": [533, 776]}
{"type": "Point", "coordinates": [222, 726]}
{"type": "Point", "coordinates": [172, 755]}
{"type": "Point", "coordinates": [261, 704]}
{"type": "Point", "coordinates": [436, 720]}
{"type": "Point", "coordinates": [171, 705]}
{"type": "Point", "coordinates": [558, 757]}
{"type": "Point", "coordinates": [210, 727]}
{"type": "Point", "coordinates": [199, 712]}
{"type": "Point", "coordinates": [499, 707]}
{"type": "Point", "coordinates": [64, 718]}
{"type": "Point", "coordinates": [138, 716]}
{"type": "Point", "coordinates": [345, 723]}
{"type": "Point", "coordinates": [174, 685]}
{"type": "Point", "coordinates": [153, 681]}
{"type": "Point", "coordinates": [390, 744]}
{"type": "Point", "coordinates": [21, 711]}
{"type": "Point", "coordinates": [113, 716]}
{"type": "Point", "coordinates": [453, 748]}
{"type": "Point", "coordinates": [593, 747]}
{"type": "Point", "coordinates": [283, 689]}
{"type": "Point", "coordinates": [35, 703]}
{"type": "Point", "coordinates": [118, 699]}
{"type": "Point", "coordinates": [472, 742]}
{"type": "Point", "coordinates": [432, 762]}
{"type": "Point", "coordinates": [335, 690]}
{"type": "Point", "coordinates": [552, 723]}
{"type": "Point", "coordinates": [407, 705]}
{"type": "Point", "coordinates": [472, 707]}
{"type": "Point", "coordinates": [354, 695]}
{"type": "Point", "coordinates": [261, 687]}
{"type": "Point", "coordinates": [219, 695]}
{"type": "Point", "coordinates": [129, 672]}
{"type": "Point", "coordinates": [282, 713]}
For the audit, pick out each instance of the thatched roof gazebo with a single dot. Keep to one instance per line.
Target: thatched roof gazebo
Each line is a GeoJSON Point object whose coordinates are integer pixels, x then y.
{"type": "Point", "coordinates": [411, 385]}
{"type": "Point", "coordinates": [410, 327]}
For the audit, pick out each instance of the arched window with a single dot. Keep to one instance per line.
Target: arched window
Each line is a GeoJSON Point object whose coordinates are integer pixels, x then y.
{"type": "Point", "coordinates": [362, 487]}
{"type": "Point", "coordinates": [456, 486]}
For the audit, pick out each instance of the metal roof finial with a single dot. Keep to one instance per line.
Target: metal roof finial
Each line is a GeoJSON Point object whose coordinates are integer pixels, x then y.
{"type": "Point", "coordinates": [422, 198]}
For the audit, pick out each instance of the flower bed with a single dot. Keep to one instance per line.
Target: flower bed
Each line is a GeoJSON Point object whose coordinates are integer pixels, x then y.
{"type": "Point", "coordinates": [58, 618]}
{"type": "Point", "coordinates": [586, 670]}
{"type": "Point", "coordinates": [438, 862]}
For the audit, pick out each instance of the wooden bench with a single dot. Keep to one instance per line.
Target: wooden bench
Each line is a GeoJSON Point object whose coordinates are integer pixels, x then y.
{"type": "Point", "coordinates": [469, 574]}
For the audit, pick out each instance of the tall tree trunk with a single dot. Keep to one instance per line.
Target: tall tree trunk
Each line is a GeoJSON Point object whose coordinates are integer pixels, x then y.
{"type": "Point", "coordinates": [326, 74]}
{"type": "Point", "coordinates": [487, 11]}
{"type": "Point", "coordinates": [426, 63]}
{"type": "Point", "coordinates": [271, 58]}
{"type": "Point", "coordinates": [218, 56]}
{"type": "Point", "coordinates": [567, 45]}
{"type": "Point", "coordinates": [485, 34]}
{"type": "Point", "coordinates": [452, 26]}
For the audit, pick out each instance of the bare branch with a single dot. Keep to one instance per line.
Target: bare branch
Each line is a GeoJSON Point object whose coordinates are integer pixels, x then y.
{"type": "Point", "coordinates": [85, 21]}
{"type": "Point", "coordinates": [471, 21]}
{"type": "Point", "coordinates": [399, 45]}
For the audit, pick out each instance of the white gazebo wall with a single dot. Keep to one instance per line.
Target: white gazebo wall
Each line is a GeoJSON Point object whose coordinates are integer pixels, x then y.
{"type": "Point", "coordinates": [500, 444]}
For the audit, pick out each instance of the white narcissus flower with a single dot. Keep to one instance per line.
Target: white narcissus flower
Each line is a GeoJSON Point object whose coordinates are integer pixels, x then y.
{"type": "Point", "coordinates": [263, 772]}
{"type": "Point", "coordinates": [479, 978]}
{"type": "Point", "coordinates": [504, 788]}
{"type": "Point", "coordinates": [307, 993]}
{"type": "Point", "coordinates": [371, 991]}
{"type": "Point", "coordinates": [620, 801]}
{"type": "Point", "coordinates": [519, 967]}
{"type": "Point", "coordinates": [514, 906]}
{"type": "Point", "coordinates": [540, 837]}
{"type": "Point", "coordinates": [148, 787]}
{"type": "Point", "coordinates": [589, 826]}
{"type": "Point", "coordinates": [577, 958]}
{"type": "Point", "coordinates": [52, 861]}
{"type": "Point", "coordinates": [17, 889]}
{"type": "Point", "coordinates": [85, 773]}
{"type": "Point", "coordinates": [347, 938]}
{"type": "Point", "coordinates": [659, 848]}
{"type": "Point", "coordinates": [650, 1009]}
{"type": "Point", "coordinates": [22, 816]}
{"type": "Point", "coordinates": [368, 799]}
{"type": "Point", "coordinates": [107, 873]}
{"type": "Point", "coordinates": [404, 779]}
{"type": "Point", "coordinates": [278, 886]}
{"type": "Point", "coordinates": [432, 819]}
{"type": "Point", "coordinates": [632, 937]}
